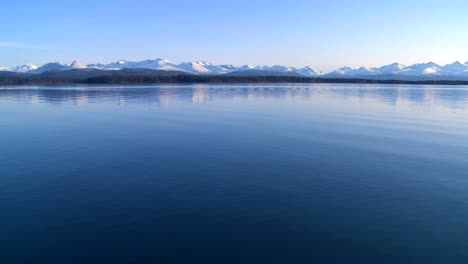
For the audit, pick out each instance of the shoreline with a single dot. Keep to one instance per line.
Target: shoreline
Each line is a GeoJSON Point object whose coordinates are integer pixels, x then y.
{"type": "Point", "coordinates": [197, 79]}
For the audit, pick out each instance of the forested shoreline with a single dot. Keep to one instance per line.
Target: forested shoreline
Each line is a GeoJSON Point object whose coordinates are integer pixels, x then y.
{"type": "Point", "coordinates": [194, 79]}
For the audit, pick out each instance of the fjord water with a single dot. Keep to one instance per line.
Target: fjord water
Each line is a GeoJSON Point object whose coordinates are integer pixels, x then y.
{"type": "Point", "coordinates": [277, 173]}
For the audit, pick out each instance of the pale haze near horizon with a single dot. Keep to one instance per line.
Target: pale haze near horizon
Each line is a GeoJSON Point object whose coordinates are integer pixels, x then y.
{"type": "Point", "coordinates": [323, 34]}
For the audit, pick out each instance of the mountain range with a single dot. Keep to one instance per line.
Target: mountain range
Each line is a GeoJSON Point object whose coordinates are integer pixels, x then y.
{"type": "Point", "coordinates": [421, 71]}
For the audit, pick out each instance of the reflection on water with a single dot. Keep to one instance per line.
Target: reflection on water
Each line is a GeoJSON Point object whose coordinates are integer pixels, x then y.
{"type": "Point", "coordinates": [446, 96]}
{"type": "Point", "coordinates": [277, 173]}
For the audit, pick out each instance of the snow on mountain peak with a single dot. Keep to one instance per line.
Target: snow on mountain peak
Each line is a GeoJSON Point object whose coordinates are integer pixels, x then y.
{"type": "Point", "coordinates": [430, 70]}
{"type": "Point", "coordinates": [52, 66]}
{"type": "Point", "coordinates": [281, 68]}
{"type": "Point", "coordinates": [163, 60]}
{"type": "Point", "coordinates": [456, 68]}
{"type": "Point", "coordinates": [353, 71]}
{"type": "Point", "coordinates": [245, 68]}
{"type": "Point", "coordinates": [77, 64]}
{"type": "Point", "coordinates": [308, 71]}
{"type": "Point", "coordinates": [204, 67]}
{"type": "Point", "coordinates": [422, 69]}
{"type": "Point", "coordinates": [195, 67]}
{"type": "Point", "coordinates": [393, 68]}
{"type": "Point", "coordinates": [25, 68]}
{"type": "Point", "coordinates": [204, 63]}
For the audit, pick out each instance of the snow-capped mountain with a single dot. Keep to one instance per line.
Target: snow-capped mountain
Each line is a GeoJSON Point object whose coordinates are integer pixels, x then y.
{"type": "Point", "coordinates": [422, 69]}
{"type": "Point", "coordinates": [395, 70]}
{"type": "Point", "coordinates": [220, 69]}
{"type": "Point", "coordinates": [52, 66]}
{"type": "Point", "coordinates": [245, 68]}
{"type": "Point", "coordinates": [284, 70]}
{"type": "Point", "coordinates": [353, 72]}
{"type": "Point", "coordinates": [25, 68]}
{"type": "Point", "coordinates": [199, 67]}
{"type": "Point", "coordinates": [308, 71]}
{"type": "Point", "coordinates": [279, 68]}
{"type": "Point", "coordinates": [118, 65]}
{"type": "Point", "coordinates": [157, 64]}
{"type": "Point", "coordinates": [456, 68]}
{"type": "Point", "coordinates": [77, 64]}
{"type": "Point", "coordinates": [20, 69]}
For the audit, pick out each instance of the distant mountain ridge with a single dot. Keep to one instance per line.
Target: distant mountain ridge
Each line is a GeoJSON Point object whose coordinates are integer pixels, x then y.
{"type": "Point", "coordinates": [198, 67]}
{"type": "Point", "coordinates": [420, 71]}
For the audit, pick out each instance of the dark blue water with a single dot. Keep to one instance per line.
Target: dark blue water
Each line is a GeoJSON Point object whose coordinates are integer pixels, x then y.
{"type": "Point", "coordinates": [234, 174]}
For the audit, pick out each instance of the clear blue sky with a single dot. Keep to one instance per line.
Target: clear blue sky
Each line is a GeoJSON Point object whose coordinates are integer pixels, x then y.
{"type": "Point", "coordinates": [323, 34]}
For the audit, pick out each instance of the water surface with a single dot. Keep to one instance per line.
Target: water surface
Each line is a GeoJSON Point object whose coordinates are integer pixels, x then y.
{"type": "Point", "coordinates": [274, 173]}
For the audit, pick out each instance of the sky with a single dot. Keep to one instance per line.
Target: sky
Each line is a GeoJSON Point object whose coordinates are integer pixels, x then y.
{"type": "Point", "coordinates": [324, 34]}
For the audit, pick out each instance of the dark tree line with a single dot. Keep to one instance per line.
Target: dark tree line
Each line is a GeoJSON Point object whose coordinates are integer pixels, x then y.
{"type": "Point", "coordinates": [188, 79]}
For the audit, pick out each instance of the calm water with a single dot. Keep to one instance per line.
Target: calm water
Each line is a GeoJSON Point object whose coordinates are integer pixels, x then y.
{"type": "Point", "coordinates": [235, 173]}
